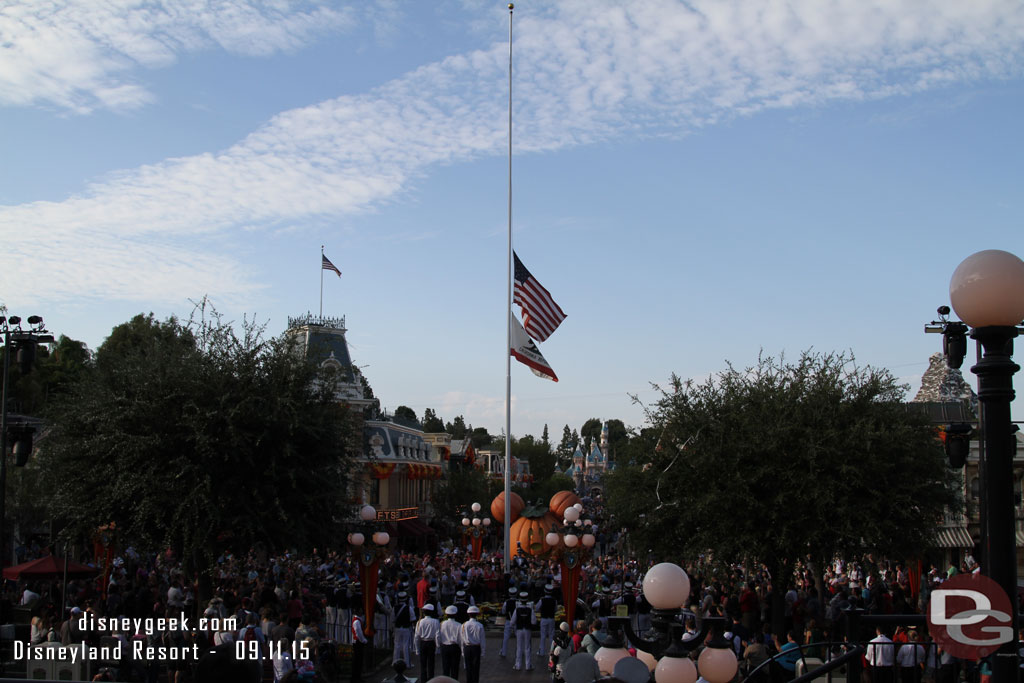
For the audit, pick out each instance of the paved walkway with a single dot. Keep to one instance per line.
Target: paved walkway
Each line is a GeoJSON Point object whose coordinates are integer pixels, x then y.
{"type": "Point", "coordinates": [493, 669]}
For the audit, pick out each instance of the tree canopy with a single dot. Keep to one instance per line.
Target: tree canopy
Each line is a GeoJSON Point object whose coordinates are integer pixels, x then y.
{"type": "Point", "coordinates": [188, 436]}
{"type": "Point", "coordinates": [432, 424]}
{"type": "Point", "coordinates": [784, 460]}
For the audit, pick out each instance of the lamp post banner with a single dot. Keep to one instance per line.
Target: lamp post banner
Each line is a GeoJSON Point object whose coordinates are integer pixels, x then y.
{"type": "Point", "coordinates": [369, 573]}
{"type": "Point", "coordinates": [969, 615]}
{"type": "Point", "coordinates": [570, 586]}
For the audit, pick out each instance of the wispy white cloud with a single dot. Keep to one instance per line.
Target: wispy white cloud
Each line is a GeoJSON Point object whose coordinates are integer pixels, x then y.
{"type": "Point", "coordinates": [83, 56]}
{"type": "Point", "coordinates": [585, 72]}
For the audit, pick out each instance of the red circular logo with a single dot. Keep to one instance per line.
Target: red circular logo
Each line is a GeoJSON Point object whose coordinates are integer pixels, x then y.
{"type": "Point", "coordinates": [969, 615]}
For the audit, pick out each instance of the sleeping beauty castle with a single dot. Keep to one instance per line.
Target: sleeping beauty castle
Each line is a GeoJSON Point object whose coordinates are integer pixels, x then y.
{"type": "Point", "coordinates": [587, 470]}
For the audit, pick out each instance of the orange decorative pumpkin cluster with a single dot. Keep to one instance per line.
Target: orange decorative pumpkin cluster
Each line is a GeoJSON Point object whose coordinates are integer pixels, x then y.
{"type": "Point", "coordinates": [530, 529]}
{"type": "Point", "coordinates": [562, 501]}
{"type": "Point", "coordinates": [498, 507]}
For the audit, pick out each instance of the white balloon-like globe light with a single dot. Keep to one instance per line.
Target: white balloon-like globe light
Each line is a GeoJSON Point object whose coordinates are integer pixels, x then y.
{"type": "Point", "coordinates": [381, 538]}
{"type": "Point", "coordinates": [572, 514]}
{"type": "Point", "coordinates": [571, 540]}
{"type": "Point", "coordinates": [987, 289]}
{"type": "Point", "coordinates": [465, 521]}
{"type": "Point", "coordinates": [648, 659]}
{"type": "Point", "coordinates": [607, 658]}
{"type": "Point", "coordinates": [551, 538]}
{"type": "Point", "coordinates": [666, 586]}
{"type": "Point", "coordinates": [717, 665]}
{"type": "Point", "coordinates": [367, 513]}
{"type": "Point", "coordinates": [675, 670]}
{"type": "Point", "coordinates": [588, 540]}
{"type": "Point", "coordinates": [476, 507]}
{"type": "Point", "coordinates": [487, 521]}
{"type": "Point", "coordinates": [477, 521]}
{"type": "Point", "coordinates": [578, 506]}
{"type": "Point", "coordinates": [356, 539]}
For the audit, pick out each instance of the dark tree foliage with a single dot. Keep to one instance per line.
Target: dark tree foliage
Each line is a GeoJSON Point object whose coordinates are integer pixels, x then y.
{"type": "Point", "coordinates": [432, 424]}
{"type": "Point", "coordinates": [544, 490]}
{"type": "Point", "coordinates": [618, 437]}
{"type": "Point", "coordinates": [538, 454]}
{"type": "Point", "coordinates": [783, 461]}
{"type": "Point", "coordinates": [544, 438]}
{"type": "Point", "coordinates": [480, 438]}
{"type": "Point", "coordinates": [457, 428]}
{"type": "Point", "coordinates": [591, 433]}
{"type": "Point", "coordinates": [463, 487]}
{"type": "Point", "coordinates": [190, 437]}
{"type": "Point", "coordinates": [406, 416]}
{"type": "Point", "coordinates": [565, 448]}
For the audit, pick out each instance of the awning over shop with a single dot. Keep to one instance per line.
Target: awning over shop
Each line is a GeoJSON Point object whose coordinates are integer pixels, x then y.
{"type": "Point", "coordinates": [955, 537]}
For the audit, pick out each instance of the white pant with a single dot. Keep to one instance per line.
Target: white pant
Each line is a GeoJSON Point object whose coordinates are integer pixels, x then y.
{"type": "Point", "coordinates": [509, 630]}
{"type": "Point", "coordinates": [345, 626]}
{"type": "Point", "coordinates": [332, 622]}
{"type": "Point", "coordinates": [547, 632]}
{"type": "Point", "coordinates": [403, 639]}
{"type": "Point", "coordinates": [524, 658]}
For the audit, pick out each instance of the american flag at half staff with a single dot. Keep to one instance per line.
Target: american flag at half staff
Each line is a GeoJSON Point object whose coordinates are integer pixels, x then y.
{"type": "Point", "coordinates": [541, 315]}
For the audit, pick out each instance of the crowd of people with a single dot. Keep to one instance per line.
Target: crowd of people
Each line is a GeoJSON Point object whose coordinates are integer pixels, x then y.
{"type": "Point", "coordinates": [291, 612]}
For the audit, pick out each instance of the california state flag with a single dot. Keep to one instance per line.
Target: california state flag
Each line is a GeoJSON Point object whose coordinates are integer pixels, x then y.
{"type": "Point", "coordinates": [526, 352]}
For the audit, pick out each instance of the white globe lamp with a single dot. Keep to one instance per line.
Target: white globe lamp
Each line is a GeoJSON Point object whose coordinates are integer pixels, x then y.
{"type": "Point", "coordinates": [717, 664]}
{"type": "Point", "coordinates": [987, 289]}
{"type": "Point", "coordinates": [666, 586]}
{"type": "Point", "coordinates": [675, 670]}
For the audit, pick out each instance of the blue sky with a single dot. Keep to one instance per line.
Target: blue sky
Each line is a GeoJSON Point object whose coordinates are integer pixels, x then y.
{"type": "Point", "coordinates": [695, 182]}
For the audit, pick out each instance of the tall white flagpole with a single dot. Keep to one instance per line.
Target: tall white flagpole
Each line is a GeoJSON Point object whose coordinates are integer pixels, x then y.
{"type": "Point", "coordinates": [321, 281]}
{"type": "Point", "coordinates": [508, 325]}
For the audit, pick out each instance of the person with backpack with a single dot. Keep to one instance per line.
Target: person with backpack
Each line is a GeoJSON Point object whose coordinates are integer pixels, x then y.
{"type": "Point", "coordinates": [507, 610]}
{"type": "Point", "coordinates": [525, 618]}
{"type": "Point", "coordinates": [251, 632]}
{"type": "Point", "coordinates": [402, 634]}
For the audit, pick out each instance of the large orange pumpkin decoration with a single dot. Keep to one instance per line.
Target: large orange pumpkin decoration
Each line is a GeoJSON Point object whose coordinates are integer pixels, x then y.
{"type": "Point", "coordinates": [530, 529]}
{"type": "Point", "coordinates": [562, 501]}
{"type": "Point", "coordinates": [498, 507]}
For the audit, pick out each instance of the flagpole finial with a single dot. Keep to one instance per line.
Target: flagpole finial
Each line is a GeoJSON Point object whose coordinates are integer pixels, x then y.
{"type": "Point", "coordinates": [511, 7]}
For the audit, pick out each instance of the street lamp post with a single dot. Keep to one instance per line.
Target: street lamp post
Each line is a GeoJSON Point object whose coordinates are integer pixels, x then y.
{"type": "Point", "coordinates": [571, 543]}
{"type": "Point", "coordinates": [369, 561]}
{"type": "Point", "coordinates": [476, 529]}
{"type": "Point", "coordinates": [666, 587]}
{"type": "Point", "coordinates": [26, 342]}
{"type": "Point", "coordinates": [987, 292]}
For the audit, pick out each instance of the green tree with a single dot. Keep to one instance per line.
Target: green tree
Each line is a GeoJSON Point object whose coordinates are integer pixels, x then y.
{"type": "Point", "coordinates": [565, 448]}
{"type": "Point", "coordinates": [457, 428]}
{"type": "Point", "coordinates": [538, 454]}
{"type": "Point", "coordinates": [544, 490]}
{"type": "Point", "coordinates": [461, 488]}
{"type": "Point", "coordinates": [190, 437]}
{"type": "Point", "coordinates": [480, 438]}
{"type": "Point", "coordinates": [591, 433]}
{"type": "Point", "coordinates": [544, 436]}
{"type": "Point", "coordinates": [820, 457]}
{"type": "Point", "coordinates": [406, 416]}
{"type": "Point", "coordinates": [432, 424]}
{"type": "Point", "coordinates": [618, 437]}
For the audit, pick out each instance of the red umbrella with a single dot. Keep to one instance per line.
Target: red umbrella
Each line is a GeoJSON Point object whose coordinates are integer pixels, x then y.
{"type": "Point", "coordinates": [49, 567]}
